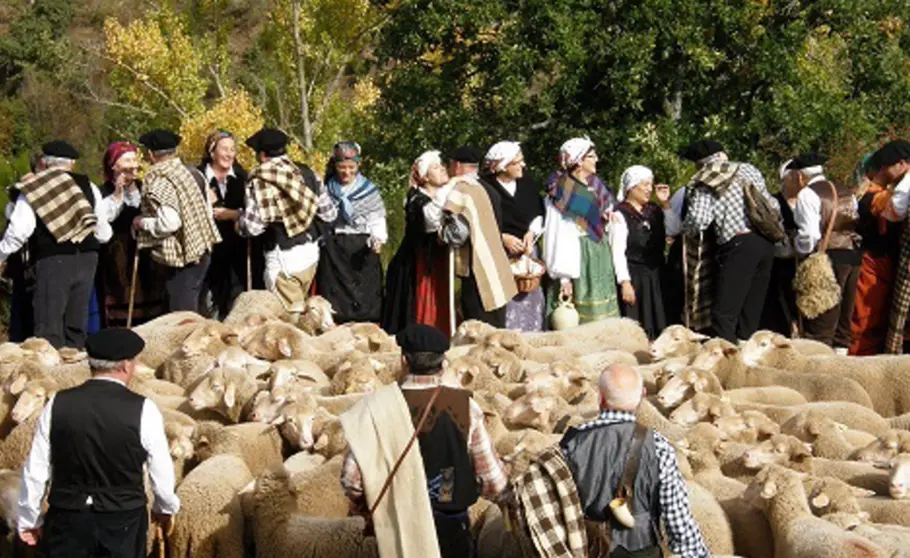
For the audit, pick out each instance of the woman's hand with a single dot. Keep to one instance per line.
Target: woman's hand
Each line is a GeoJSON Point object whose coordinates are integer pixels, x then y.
{"type": "Point", "coordinates": [566, 290]}
{"type": "Point", "coordinates": [662, 193]}
{"type": "Point", "coordinates": [528, 242]}
{"type": "Point", "coordinates": [375, 245]}
{"type": "Point", "coordinates": [513, 244]}
{"type": "Point", "coordinates": [225, 214]}
{"type": "Point", "coordinates": [628, 293]}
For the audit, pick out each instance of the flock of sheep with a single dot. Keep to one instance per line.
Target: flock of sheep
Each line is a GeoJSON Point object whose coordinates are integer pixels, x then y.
{"type": "Point", "coordinates": [788, 450]}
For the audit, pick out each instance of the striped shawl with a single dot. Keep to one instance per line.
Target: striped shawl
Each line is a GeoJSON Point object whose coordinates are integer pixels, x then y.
{"type": "Point", "coordinates": [487, 258]}
{"type": "Point", "coordinates": [282, 195]}
{"type": "Point", "coordinates": [60, 204]}
{"type": "Point", "coordinates": [170, 183]}
{"type": "Point", "coordinates": [900, 298]}
{"type": "Point", "coordinates": [699, 271]}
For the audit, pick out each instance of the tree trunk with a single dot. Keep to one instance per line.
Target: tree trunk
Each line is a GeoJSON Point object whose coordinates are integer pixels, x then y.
{"type": "Point", "coordinates": [301, 80]}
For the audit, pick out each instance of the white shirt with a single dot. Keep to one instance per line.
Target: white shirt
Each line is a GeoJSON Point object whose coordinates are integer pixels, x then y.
{"type": "Point", "coordinates": [165, 222]}
{"type": "Point", "coordinates": [561, 244]}
{"type": "Point", "coordinates": [808, 217]}
{"type": "Point", "coordinates": [37, 469]}
{"type": "Point", "coordinates": [22, 222]}
{"type": "Point", "coordinates": [222, 184]}
{"type": "Point", "coordinates": [619, 240]}
{"type": "Point", "coordinates": [900, 201]}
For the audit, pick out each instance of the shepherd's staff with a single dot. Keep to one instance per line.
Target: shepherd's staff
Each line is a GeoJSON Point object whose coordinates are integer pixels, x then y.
{"type": "Point", "coordinates": [160, 541]}
{"type": "Point", "coordinates": [451, 291]}
{"type": "Point", "coordinates": [249, 264]}
{"type": "Point", "coordinates": [129, 312]}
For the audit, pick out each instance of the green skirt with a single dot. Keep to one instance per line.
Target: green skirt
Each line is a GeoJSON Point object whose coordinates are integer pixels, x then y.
{"type": "Point", "coordinates": [595, 290]}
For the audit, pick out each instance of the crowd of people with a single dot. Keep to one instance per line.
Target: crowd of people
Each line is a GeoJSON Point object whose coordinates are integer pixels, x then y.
{"type": "Point", "coordinates": [721, 255]}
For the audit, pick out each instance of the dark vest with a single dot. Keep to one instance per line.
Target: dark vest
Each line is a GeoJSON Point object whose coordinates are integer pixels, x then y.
{"type": "Point", "coordinates": [277, 235]}
{"type": "Point", "coordinates": [647, 235]}
{"type": "Point", "coordinates": [451, 480]}
{"type": "Point", "coordinates": [843, 235]}
{"type": "Point", "coordinates": [42, 243]}
{"type": "Point", "coordinates": [597, 458]}
{"type": "Point", "coordinates": [96, 448]}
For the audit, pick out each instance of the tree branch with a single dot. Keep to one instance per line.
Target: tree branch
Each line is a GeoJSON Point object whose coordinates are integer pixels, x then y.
{"type": "Point", "coordinates": [213, 69]}
{"type": "Point", "coordinates": [301, 79]}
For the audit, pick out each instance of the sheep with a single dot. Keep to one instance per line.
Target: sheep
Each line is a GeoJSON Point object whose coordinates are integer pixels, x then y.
{"type": "Point", "coordinates": [725, 360]}
{"type": "Point", "coordinates": [210, 522]}
{"type": "Point", "coordinates": [751, 532]}
{"type": "Point", "coordinates": [676, 341]}
{"type": "Point", "coordinates": [255, 304]}
{"type": "Point", "coordinates": [711, 519]}
{"type": "Point", "coordinates": [302, 462]}
{"type": "Point", "coordinates": [179, 429]}
{"type": "Point", "coordinates": [281, 530]}
{"type": "Point", "coordinates": [747, 427]}
{"type": "Point", "coordinates": [900, 422]}
{"type": "Point", "coordinates": [690, 381]}
{"type": "Point", "coordinates": [317, 316]}
{"type": "Point", "coordinates": [471, 373]}
{"type": "Point", "coordinates": [295, 421]}
{"type": "Point", "coordinates": [899, 477]}
{"type": "Point", "coordinates": [275, 341]}
{"type": "Point", "coordinates": [648, 415]}
{"type": "Point", "coordinates": [227, 391]}
{"type": "Point", "coordinates": [882, 377]}
{"type": "Point", "coordinates": [40, 351]}
{"type": "Point", "coordinates": [537, 411]}
{"type": "Point", "coordinates": [471, 332]}
{"type": "Point", "coordinates": [797, 533]}
{"type": "Point", "coordinates": [893, 539]}
{"type": "Point", "coordinates": [15, 447]}
{"type": "Point", "coordinates": [829, 496]}
{"type": "Point", "coordinates": [504, 364]}
{"type": "Point", "coordinates": [702, 406]}
{"type": "Point", "coordinates": [32, 399]}
{"type": "Point", "coordinates": [885, 447]}
{"type": "Point", "coordinates": [65, 375]}
{"type": "Point", "coordinates": [9, 496]}
{"type": "Point", "coordinates": [612, 333]}
{"type": "Point", "coordinates": [807, 347]}
{"type": "Point", "coordinates": [828, 438]}
{"type": "Point", "coordinates": [355, 375]}
{"type": "Point", "coordinates": [370, 338]}
{"type": "Point", "coordinates": [886, 510]}
{"type": "Point", "coordinates": [258, 445]}
{"type": "Point", "coordinates": [328, 434]}
{"type": "Point", "coordinates": [267, 404]}
{"type": "Point", "coordinates": [284, 371]}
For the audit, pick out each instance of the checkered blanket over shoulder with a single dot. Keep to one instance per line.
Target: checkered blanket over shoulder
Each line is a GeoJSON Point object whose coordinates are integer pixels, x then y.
{"type": "Point", "coordinates": [716, 176]}
{"type": "Point", "coordinates": [282, 195]}
{"type": "Point", "coordinates": [169, 183]}
{"type": "Point", "coordinates": [551, 506]}
{"type": "Point", "coordinates": [60, 204]}
{"type": "Point", "coordinates": [900, 299]}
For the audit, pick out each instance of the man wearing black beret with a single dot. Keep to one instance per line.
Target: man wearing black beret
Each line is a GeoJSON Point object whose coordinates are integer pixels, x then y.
{"type": "Point", "coordinates": [61, 218]}
{"type": "Point", "coordinates": [455, 452]}
{"type": "Point", "coordinates": [176, 220]}
{"type": "Point", "coordinates": [282, 199]}
{"type": "Point", "coordinates": [93, 441]}
{"type": "Point", "coordinates": [726, 291]}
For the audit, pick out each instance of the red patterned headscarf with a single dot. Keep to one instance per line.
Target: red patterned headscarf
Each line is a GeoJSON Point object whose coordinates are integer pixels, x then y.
{"type": "Point", "coordinates": [114, 152]}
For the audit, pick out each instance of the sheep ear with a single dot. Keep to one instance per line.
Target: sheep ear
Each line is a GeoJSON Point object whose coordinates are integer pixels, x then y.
{"type": "Point", "coordinates": [697, 336]}
{"type": "Point", "coordinates": [321, 442]}
{"type": "Point", "coordinates": [284, 347]}
{"type": "Point", "coordinates": [18, 385]}
{"type": "Point", "coordinates": [861, 492]}
{"type": "Point", "coordinates": [782, 342]}
{"type": "Point", "coordinates": [886, 465]}
{"type": "Point", "coordinates": [230, 395]}
{"type": "Point", "coordinates": [277, 421]}
{"type": "Point", "coordinates": [821, 501]}
{"type": "Point", "coordinates": [731, 351]}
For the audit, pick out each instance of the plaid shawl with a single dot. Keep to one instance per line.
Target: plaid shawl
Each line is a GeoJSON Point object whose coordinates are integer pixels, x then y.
{"type": "Point", "coordinates": [360, 203]}
{"type": "Point", "coordinates": [716, 176]}
{"type": "Point", "coordinates": [585, 203]}
{"type": "Point", "coordinates": [551, 507]}
{"type": "Point", "coordinates": [60, 204]}
{"type": "Point", "coordinates": [282, 195]}
{"type": "Point", "coordinates": [170, 183]}
{"type": "Point", "coordinates": [900, 298]}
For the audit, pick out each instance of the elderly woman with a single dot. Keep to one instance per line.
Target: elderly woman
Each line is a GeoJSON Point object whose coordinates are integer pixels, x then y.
{"type": "Point", "coordinates": [521, 225]}
{"type": "Point", "coordinates": [350, 273]}
{"type": "Point", "coordinates": [576, 250]}
{"type": "Point", "coordinates": [226, 277]}
{"type": "Point", "coordinates": [417, 285]}
{"type": "Point", "coordinates": [638, 239]}
{"type": "Point", "coordinates": [115, 263]}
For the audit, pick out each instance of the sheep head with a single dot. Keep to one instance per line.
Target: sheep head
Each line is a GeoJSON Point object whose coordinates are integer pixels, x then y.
{"type": "Point", "coordinates": [703, 406]}
{"type": "Point", "coordinates": [218, 390]}
{"type": "Point", "coordinates": [267, 405]}
{"type": "Point", "coordinates": [676, 340]}
{"type": "Point", "coordinates": [274, 341]}
{"type": "Point", "coordinates": [203, 337]}
{"type": "Point", "coordinates": [180, 440]}
{"type": "Point", "coordinates": [761, 344]}
{"type": "Point", "coordinates": [32, 399]}
{"type": "Point", "coordinates": [471, 331]}
{"type": "Point", "coordinates": [319, 311]}
{"type": "Point", "coordinates": [830, 495]}
{"type": "Point", "coordinates": [462, 371]}
{"type": "Point", "coordinates": [885, 447]}
{"type": "Point", "coordinates": [531, 411]}
{"type": "Point", "coordinates": [11, 353]}
{"type": "Point", "coordinates": [681, 385]}
{"type": "Point", "coordinates": [41, 351]}
{"type": "Point", "coordinates": [809, 425]}
{"type": "Point", "coordinates": [295, 421]}
{"type": "Point", "coordinates": [778, 450]}
{"type": "Point", "coordinates": [899, 466]}
{"type": "Point", "coordinates": [771, 481]}
{"type": "Point", "coordinates": [356, 374]}
{"type": "Point", "coordinates": [713, 353]}
{"type": "Point", "coordinates": [504, 364]}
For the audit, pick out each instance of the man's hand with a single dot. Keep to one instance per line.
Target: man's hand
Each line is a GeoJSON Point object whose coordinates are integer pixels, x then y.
{"type": "Point", "coordinates": [662, 193]}
{"type": "Point", "coordinates": [513, 244]}
{"type": "Point", "coordinates": [137, 224]}
{"type": "Point", "coordinates": [628, 293]}
{"type": "Point", "coordinates": [165, 522]}
{"type": "Point", "coordinates": [30, 536]}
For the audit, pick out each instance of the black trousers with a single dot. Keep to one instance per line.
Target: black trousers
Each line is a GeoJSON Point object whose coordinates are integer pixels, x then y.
{"type": "Point", "coordinates": [88, 534]}
{"type": "Point", "coordinates": [63, 287]}
{"type": "Point", "coordinates": [472, 306]}
{"type": "Point", "coordinates": [184, 285]}
{"type": "Point", "coordinates": [833, 327]}
{"type": "Point", "coordinates": [454, 535]}
{"type": "Point", "coordinates": [744, 269]}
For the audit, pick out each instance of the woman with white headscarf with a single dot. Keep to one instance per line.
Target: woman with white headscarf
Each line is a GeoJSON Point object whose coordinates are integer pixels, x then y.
{"type": "Point", "coordinates": [417, 281]}
{"type": "Point", "coordinates": [521, 224]}
{"type": "Point", "coordinates": [576, 249]}
{"type": "Point", "coordinates": [638, 239]}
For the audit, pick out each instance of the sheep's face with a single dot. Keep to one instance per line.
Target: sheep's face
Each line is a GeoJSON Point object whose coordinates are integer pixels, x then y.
{"type": "Point", "coordinates": [234, 357]}
{"type": "Point", "coordinates": [680, 386]}
{"type": "Point", "coordinates": [885, 448]}
{"type": "Point", "coordinates": [30, 401]}
{"type": "Point", "coordinates": [502, 363]}
{"type": "Point", "coordinates": [179, 440]}
{"type": "Point", "coordinates": [267, 405]}
{"type": "Point", "coordinates": [198, 341]}
{"type": "Point", "coordinates": [675, 341]}
{"type": "Point", "coordinates": [713, 353]}
{"type": "Point", "coordinates": [702, 406]}
{"type": "Point", "coordinates": [829, 495]}
{"type": "Point", "coordinates": [760, 345]}
{"type": "Point", "coordinates": [732, 426]}
{"type": "Point", "coordinates": [41, 351]}
{"type": "Point", "coordinates": [297, 428]}
{"type": "Point", "coordinates": [809, 426]}
{"type": "Point", "coordinates": [899, 486]}
{"type": "Point", "coordinates": [470, 332]}
{"type": "Point", "coordinates": [213, 391]}
{"type": "Point", "coordinates": [703, 438]}
{"type": "Point", "coordinates": [530, 411]}
{"type": "Point", "coordinates": [761, 424]}
{"type": "Point", "coordinates": [777, 450]}
{"type": "Point", "coordinates": [320, 311]}
{"type": "Point", "coordinates": [359, 377]}
{"type": "Point", "coordinates": [11, 353]}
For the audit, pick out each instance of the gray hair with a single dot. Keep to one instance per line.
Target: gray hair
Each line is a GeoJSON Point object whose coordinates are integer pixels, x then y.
{"type": "Point", "coordinates": [101, 365]}
{"type": "Point", "coordinates": [52, 162]}
{"type": "Point", "coordinates": [164, 152]}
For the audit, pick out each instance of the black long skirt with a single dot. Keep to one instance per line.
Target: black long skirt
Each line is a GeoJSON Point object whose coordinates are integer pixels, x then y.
{"type": "Point", "coordinates": [350, 277]}
{"type": "Point", "coordinates": [780, 312]}
{"type": "Point", "coordinates": [648, 309]}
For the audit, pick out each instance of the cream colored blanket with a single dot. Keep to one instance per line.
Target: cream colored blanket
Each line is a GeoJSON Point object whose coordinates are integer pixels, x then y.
{"type": "Point", "coordinates": [378, 429]}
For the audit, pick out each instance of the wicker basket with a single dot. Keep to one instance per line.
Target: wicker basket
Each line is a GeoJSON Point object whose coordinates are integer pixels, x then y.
{"type": "Point", "coordinates": [529, 282]}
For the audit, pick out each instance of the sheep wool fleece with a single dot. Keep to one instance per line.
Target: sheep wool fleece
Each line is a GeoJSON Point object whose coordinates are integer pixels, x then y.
{"type": "Point", "coordinates": [378, 429]}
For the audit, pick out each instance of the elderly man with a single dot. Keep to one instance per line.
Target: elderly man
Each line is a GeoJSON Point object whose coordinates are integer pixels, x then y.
{"type": "Point", "coordinates": [63, 219]}
{"type": "Point", "coordinates": [457, 455]}
{"type": "Point", "coordinates": [600, 452]}
{"type": "Point", "coordinates": [176, 220]}
{"type": "Point", "coordinates": [93, 441]}
{"type": "Point", "coordinates": [716, 200]}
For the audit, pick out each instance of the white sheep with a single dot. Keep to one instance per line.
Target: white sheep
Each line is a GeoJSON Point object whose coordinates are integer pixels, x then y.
{"type": "Point", "coordinates": [227, 391]}
{"type": "Point", "coordinates": [259, 445]}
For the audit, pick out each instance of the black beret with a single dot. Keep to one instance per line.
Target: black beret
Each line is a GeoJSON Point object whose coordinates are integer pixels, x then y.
{"type": "Point", "coordinates": [114, 344]}
{"type": "Point", "coordinates": [421, 338]}
{"type": "Point", "coordinates": [807, 160]}
{"type": "Point", "coordinates": [268, 139]}
{"type": "Point", "coordinates": [466, 154]}
{"type": "Point", "coordinates": [889, 154]}
{"type": "Point", "coordinates": [59, 148]}
{"type": "Point", "coordinates": [160, 140]}
{"type": "Point", "coordinates": [698, 150]}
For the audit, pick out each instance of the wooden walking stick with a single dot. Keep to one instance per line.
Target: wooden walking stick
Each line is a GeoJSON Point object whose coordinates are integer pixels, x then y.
{"type": "Point", "coordinates": [451, 292]}
{"type": "Point", "coordinates": [129, 312]}
{"type": "Point", "coordinates": [160, 541]}
{"type": "Point", "coordinates": [249, 264]}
